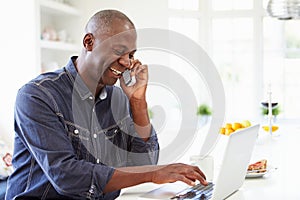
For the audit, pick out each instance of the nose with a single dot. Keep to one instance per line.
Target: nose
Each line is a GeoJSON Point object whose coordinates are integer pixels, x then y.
{"type": "Point", "coordinates": [125, 61]}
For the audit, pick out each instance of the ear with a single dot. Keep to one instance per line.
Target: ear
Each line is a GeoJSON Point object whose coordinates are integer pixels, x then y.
{"type": "Point", "coordinates": [88, 41]}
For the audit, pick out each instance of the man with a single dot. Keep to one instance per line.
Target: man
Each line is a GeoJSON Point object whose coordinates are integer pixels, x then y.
{"type": "Point", "coordinates": [80, 137]}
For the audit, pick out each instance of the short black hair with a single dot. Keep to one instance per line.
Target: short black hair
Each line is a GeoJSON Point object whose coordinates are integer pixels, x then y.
{"type": "Point", "coordinates": [102, 20]}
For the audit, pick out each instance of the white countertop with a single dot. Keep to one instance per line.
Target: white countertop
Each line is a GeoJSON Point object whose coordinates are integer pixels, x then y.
{"type": "Point", "coordinates": [281, 152]}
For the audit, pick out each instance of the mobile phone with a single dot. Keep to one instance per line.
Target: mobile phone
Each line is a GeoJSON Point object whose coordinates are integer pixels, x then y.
{"type": "Point", "coordinates": [126, 76]}
{"type": "Point", "coordinates": [128, 79]}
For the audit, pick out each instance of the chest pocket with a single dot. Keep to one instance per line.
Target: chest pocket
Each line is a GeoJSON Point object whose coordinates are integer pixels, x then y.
{"type": "Point", "coordinates": [80, 139]}
{"type": "Point", "coordinates": [114, 143]}
{"type": "Point", "coordinates": [118, 134]}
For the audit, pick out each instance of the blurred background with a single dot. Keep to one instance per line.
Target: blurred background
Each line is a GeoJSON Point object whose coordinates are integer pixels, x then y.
{"type": "Point", "coordinates": [252, 50]}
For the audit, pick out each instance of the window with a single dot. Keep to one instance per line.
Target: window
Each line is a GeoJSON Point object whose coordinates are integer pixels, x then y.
{"type": "Point", "coordinates": [188, 23]}
{"type": "Point", "coordinates": [183, 25]}
{"type": "Point", "coordinates": [281, 63]}
{"type": "Point", "coordinates": [231, 4]}
{"type": "Point", "coordinates": [232, 52]}
{"type": "Point", "coordinates": [184, 5]}
{"type": "Point", "coordinates": [250, 50]}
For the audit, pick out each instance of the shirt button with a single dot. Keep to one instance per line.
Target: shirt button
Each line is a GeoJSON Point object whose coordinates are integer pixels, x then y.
{"type": "Point", "coordinates": [91, 97]}
{"type": "Point", "coordinates": [92, 189]}
{"type": "Point", "coordinates": [98, 160]}
{"type": "Point", "coordinates": [93, 109]}
{"type": "Point", "coordinates": [95, 135]}
{"type": "Point", "coordinates": [76, 131]}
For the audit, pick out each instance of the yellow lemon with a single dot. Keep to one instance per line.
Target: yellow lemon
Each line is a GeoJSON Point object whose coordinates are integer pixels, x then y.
{"type": "Point", "coordinates": [236, 126]}
{"type": "Point", "coordinates": [239, 129]}
{"type": "Point", "coordinates": [246, 123]}
{"type": "Point", "coordinates": [222, 130]}
{"type": "Point", "coordinates": [228, 131]}
{"type": "Point", "coordinates": [228, 125]}
{"type": "Point", "coordinates": [274, 128]}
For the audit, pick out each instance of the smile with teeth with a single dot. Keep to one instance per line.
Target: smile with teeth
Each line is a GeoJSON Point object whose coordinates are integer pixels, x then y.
{"type": "Point", "coordinates": [115, 71]}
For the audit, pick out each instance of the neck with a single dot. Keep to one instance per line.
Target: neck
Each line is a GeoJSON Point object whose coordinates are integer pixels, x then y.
{"type": "Point", "coordinates": [81, 67]}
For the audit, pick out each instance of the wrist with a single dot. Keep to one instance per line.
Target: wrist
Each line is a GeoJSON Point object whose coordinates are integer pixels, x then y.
{"type": "Point", "coordinates": [139, 104]}
{"type": "Point", "coordinates": [140, 117]}
{"type": "Point", "coordinates": [139, 110]}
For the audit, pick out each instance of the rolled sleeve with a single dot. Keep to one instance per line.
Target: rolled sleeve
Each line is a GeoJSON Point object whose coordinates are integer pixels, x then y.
{"type": "Point", "coordinates": [144, 153]}
{"type": "Point", "coordinates": [139, 151]}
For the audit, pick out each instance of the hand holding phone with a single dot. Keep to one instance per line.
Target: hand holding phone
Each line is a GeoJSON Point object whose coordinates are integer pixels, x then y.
{"type": "Point", "coordinates": [128, 79]}
{"type": "Point", "coordinates": [134, 80]}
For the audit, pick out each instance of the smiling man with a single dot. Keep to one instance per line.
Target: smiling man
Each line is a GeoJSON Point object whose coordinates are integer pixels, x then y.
{"type": "Point", "coordinates": [80, 137]}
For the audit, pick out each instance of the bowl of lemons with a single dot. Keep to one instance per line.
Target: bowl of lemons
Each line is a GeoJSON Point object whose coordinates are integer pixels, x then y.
{"type": "Point", "coordinates": [229, 128]}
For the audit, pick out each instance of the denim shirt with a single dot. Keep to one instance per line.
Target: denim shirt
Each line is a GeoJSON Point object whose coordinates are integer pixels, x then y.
{"type": "Point", "coordinates": [67, 143]}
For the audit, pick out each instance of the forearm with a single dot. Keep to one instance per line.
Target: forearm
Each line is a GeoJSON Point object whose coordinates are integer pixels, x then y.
{"type": "Point", "coordinates": [129, 176]}
{"type": "Point", "coordinates": [140, 117]}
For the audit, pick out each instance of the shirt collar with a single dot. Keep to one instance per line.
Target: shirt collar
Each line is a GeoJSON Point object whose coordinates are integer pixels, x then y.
{"type": "Point", "coordinates": [78, 83]}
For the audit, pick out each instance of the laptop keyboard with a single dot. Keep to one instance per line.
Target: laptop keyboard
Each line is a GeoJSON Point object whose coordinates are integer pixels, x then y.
{"type": "Point", "coordinates": [196, 192]}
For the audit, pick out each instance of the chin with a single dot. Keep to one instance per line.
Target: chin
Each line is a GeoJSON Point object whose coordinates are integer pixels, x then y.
{"type": "Point", "coordinates": [110, 82]}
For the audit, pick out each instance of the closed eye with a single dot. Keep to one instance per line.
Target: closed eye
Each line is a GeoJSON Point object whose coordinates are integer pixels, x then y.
{"type": "Point", "coordinates": [119, 52]}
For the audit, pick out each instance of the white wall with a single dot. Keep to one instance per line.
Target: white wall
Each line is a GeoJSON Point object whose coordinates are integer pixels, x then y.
{"type": "Point", "coordinates": [18, 57]}
{"type": "Point", "coordinates": [143, 13]}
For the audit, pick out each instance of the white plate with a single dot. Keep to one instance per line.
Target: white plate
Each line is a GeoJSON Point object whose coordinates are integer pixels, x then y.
{"type": "Point", "coordinates": [256, 175]}
{"type": "Point", "coordinates": [259, 174]}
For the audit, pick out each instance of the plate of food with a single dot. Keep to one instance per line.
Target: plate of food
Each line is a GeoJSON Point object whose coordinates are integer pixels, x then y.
{"type": "Point", "coordinates": [258, 169]}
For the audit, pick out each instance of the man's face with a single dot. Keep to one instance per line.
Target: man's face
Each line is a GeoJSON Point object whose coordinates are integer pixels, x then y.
{"type": "Point", "coordinates": [113, 53]}
{"type": "Point", "coordinates": [122, 52]}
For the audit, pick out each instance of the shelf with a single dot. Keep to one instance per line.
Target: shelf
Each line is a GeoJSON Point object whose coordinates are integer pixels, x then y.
{"type": "Point", "coordinates": [53, 45]}
{"type": "Point", "coordinates": [57, 8]}
{"type": "Point", "coordinates": [56, 17]}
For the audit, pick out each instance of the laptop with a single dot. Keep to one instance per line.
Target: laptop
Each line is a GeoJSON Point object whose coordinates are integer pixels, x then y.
{"type": "Point", "coordinates": [231, 175]}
